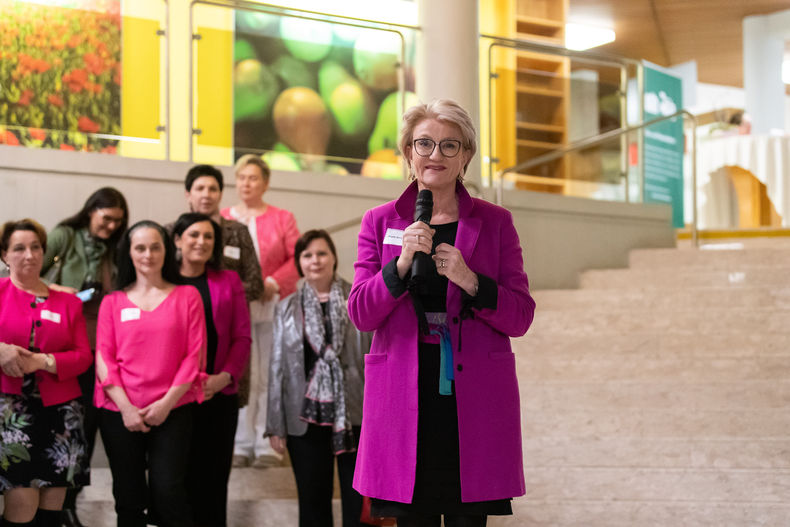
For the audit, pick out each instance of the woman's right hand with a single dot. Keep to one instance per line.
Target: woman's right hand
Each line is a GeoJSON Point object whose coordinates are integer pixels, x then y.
{"type": "Point", "coordinates": [278, 444]}
{"type": "Point", "coordinates": [11, 359]}
{"type": "Point", "coordinates": [417, 237]}
{"type": "Point", "coordinates": [133, 421]}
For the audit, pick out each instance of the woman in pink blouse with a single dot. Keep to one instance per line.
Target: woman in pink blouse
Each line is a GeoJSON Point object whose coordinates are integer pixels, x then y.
{"type": "Point", "coordinates": [150, 352]}
{"type": "Point", "coordinates": [199, 240]}
{"type": "Point", "coordinates": [43, 348]}
{"type": "Point", "coordinates": [274, 233]}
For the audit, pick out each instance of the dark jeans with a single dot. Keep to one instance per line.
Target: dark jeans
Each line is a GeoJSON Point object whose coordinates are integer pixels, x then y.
{"type": "Point", "coordinates": [211, 456]}
{"type": "Point", "coordinates": [314, 469]}
{"type": "Point", "coordinates": [449, 521]}
{"type": "Point", "coordinates": [91, 424]}
{"type": "Point", "coordinates": [164, 452]}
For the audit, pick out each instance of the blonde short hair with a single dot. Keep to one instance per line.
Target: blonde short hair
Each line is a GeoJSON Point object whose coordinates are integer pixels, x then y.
{"type": "Point", "coordinates": [445, 110]}
{"type": "Point", "coordinates": [252, 159]}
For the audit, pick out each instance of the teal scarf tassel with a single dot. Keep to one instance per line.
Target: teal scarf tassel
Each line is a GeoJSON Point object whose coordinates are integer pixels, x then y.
{"type": "Point", "coordinates": [446, 375]}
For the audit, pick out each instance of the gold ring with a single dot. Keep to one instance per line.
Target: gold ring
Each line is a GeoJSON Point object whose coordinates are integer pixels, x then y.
{"type": "Point", "coordinates": [442, 262]}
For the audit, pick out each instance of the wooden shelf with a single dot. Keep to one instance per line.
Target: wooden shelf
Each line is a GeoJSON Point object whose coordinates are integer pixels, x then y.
{"type": "Point", "coordinates": [525, 178]}
{"type": "Point", "coordinates": [540, 22]}
{"type": "Point", "coordinates": [538, 144]}
{"type": "Point", "coordinates": [541, 39]}
{"type": "Point", "coordinates": [541, 127]}
{"type": "Point", "coordinates": [543, 92]}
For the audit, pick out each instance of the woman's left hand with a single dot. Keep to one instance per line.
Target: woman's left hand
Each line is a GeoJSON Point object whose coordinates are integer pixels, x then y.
{"type": "Point", "coordinates": [155, 413]}
{"type": "Point", "coordinates": [450, 263]}
{"type": "Point", "coordinates": [215, 383]}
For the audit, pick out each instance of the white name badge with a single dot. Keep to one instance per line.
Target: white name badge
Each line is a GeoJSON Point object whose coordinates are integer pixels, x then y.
{"type": "Point", "coordinates": [130, 313]}
{"type": "Point", "coordinates": [232, 252]}
{"type": "Point", "coordinates": [393, 237]}
{"type": "Point", "coordinates": [49, 315]}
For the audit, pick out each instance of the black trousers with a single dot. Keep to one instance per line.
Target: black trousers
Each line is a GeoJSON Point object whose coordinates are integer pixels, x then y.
{"type": "Point", "coordinates": [210, 459]}
{"type": "Point", "coordinates": [87, 381]}
{"type": "Point", "coordinates": [449, 521]}
{"type": "Point", "coordinates": [164, 452]}
{"type": "Point", "coordinates": [314, 469]}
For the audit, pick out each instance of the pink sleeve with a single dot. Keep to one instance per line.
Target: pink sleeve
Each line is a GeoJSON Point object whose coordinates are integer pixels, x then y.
{"type": "Point", "coordinates": [370, 301]}
{"type": "Point", "coordinates": [287, 275]}
{"type": "Point", "coordinates": [225, 213]}
{"type": "Point", "coordinates": [77, 359]}
{"type": "Point", "coordinates": [106, 345]}
{"type": "Point", "coordinates": [240, 340]}
{"type": "Point", "coordinates": [193, 362]}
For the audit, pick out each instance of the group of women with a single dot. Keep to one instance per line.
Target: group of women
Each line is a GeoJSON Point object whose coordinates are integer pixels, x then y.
{"type": "Point", "coordinates": [441, 430]}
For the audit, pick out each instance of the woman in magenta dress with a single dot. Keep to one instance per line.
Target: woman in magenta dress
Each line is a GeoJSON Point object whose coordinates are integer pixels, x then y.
{"type": "Point", "coordinates": [199, 240]}
{"type": "Point", "coordinates": [150, 355]}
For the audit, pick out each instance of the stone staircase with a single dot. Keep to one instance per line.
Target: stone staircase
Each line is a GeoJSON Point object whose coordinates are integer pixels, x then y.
{"type": "Point", "coordinates": [659, 395]}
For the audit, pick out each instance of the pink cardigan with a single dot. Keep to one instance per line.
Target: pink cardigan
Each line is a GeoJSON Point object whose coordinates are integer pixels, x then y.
{"type": "Point", "coordinates": [60, 330]}
{"type": "Point", "coordinates": [147, 352]}
{"type": "Point", "coordinates": [277, 234]}
{"type": "Point", "coordinates": [489, 413]}
{"type": "Point", "coordinates": [232, 320]}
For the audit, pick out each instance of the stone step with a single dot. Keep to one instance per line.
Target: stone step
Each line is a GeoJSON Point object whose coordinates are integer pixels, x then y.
{"type": "Point", "coordinates": [684, 278]}
{"type": "Point", "coordinates": [535, 344]}
{"type": "Point", "coordinates": [555, 397]}
{"type": "Point", "coordinates": [709, 259]}
{"type": "Point", "coordinates": [711, 321]}
{"type": "Point", "coordinates": [677, 368]}
{"type": "Point", "coordinates": [657, 300]}
{"type": "Point", "coordinates": [676, 423]}
{"type": "Point", "coordinates": [627, 452]}
{"type": "Point", "coordinates": [642, 513]}
{"type": "Point", "coordinates": [712, 486]}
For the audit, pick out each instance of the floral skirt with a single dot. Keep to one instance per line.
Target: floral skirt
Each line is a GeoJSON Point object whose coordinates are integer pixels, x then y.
{"type": "Point", "coordinates": [41, 446]}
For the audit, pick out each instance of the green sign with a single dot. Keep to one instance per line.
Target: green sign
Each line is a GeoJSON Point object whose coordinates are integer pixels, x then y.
{"type": "Point", "coordinates": [664, 143]}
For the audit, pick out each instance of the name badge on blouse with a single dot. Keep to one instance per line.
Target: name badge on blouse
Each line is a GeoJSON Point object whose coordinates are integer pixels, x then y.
{"type": "Point", "coordinates": [49, 315]}
{"type": "Point", "coordinates": [393, 237]}
{"type": "Point", "coordinates": [130, 313]}
{"type": "Point", "coordinates": [232, 252]}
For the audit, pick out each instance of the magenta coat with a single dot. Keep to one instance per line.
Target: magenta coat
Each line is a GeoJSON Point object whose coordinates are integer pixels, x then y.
{"type": "Point", "coordinates": [60, 330]}
{"type": "Point", "coordinates": [232, 321]}
{"type": "Point", "coordinates": [489, 425]}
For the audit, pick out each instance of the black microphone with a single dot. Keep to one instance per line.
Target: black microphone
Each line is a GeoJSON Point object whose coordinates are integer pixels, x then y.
{"type": "Point", "coordinates": [423, 210]}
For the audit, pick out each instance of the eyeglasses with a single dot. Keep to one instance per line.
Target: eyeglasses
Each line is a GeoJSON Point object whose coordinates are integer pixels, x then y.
{"type": "Point", "coordinates": [448, 147]}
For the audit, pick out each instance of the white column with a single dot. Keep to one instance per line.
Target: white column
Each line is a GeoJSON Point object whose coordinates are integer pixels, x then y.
{"type": "Point", "coordinates": [763, 52]}
{"type": "Point", "coordinates": [447, 59]}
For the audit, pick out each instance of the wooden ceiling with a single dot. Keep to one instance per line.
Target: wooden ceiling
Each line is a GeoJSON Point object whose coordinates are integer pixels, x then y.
{"type": "Point", "coordinates": [669, 32]}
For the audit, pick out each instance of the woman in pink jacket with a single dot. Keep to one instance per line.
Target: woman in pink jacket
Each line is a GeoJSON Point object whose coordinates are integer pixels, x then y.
{"type": "Point", "coordinates": [150, 355]}
{"type": "Point", "coordinates": [43, 348]}
{"type": "Point", "coordinates": [441, 432]}
{"type": "Point", "coordinates": [199, 240]}
{"type": "Point", "coordinates": [274, 233]}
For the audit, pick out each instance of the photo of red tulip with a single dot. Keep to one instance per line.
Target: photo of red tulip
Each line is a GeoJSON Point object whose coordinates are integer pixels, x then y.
{"type": "Point", "coordinates": [60, 74]}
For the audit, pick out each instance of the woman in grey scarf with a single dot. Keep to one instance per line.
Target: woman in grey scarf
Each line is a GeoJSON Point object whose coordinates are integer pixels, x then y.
{"type": "Point", "coordinates": [316, 384]}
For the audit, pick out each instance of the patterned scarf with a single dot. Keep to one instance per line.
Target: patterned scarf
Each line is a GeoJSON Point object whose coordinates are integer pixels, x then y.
{"type": "Point", "coordinates": [325, 399]}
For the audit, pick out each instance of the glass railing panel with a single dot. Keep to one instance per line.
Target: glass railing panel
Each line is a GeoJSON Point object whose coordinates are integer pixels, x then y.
{"type": "Point", "coordinates": [308, 91]}
{"type": "Point", "coordinates": [65, 76]}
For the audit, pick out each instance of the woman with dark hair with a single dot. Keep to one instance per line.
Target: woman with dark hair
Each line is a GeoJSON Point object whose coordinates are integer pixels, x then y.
{"type": "Point", "coordinates": [43, 347]}
{"type": "Point", "coordinates": [316, 384]}
{"type": "Point", "coordinates": [150, 355]}
{"type": "Point", "coordinates": [80, 257]}
{"type": "Point", "coordinates": [199, 240]}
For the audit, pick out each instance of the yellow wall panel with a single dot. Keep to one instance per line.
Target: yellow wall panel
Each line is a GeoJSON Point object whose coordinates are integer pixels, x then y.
{"type": "Point", "coordinates": [214, 87]}
{"type": "Point", "coordinates": [140, 78]}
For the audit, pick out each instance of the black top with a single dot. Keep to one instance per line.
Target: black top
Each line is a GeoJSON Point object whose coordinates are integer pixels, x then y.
{"type": "Point", "coordinates": [310, 356]}
{"type": "Point", "coordinates": [434, 292]}
{"type": "Point", "coordinates": [201, 283]}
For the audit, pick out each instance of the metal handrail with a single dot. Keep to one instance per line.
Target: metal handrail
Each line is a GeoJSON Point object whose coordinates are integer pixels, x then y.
{"type": "Point", "coordinates": [606, 136]}
{"type": "Point", "coordinates": [247, 5]}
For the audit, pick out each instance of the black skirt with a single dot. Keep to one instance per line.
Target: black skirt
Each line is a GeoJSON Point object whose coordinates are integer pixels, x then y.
{"type": "Point", "coordinates": [437, 485]}
{"type": "Point", "coordinates": [41, 446]}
